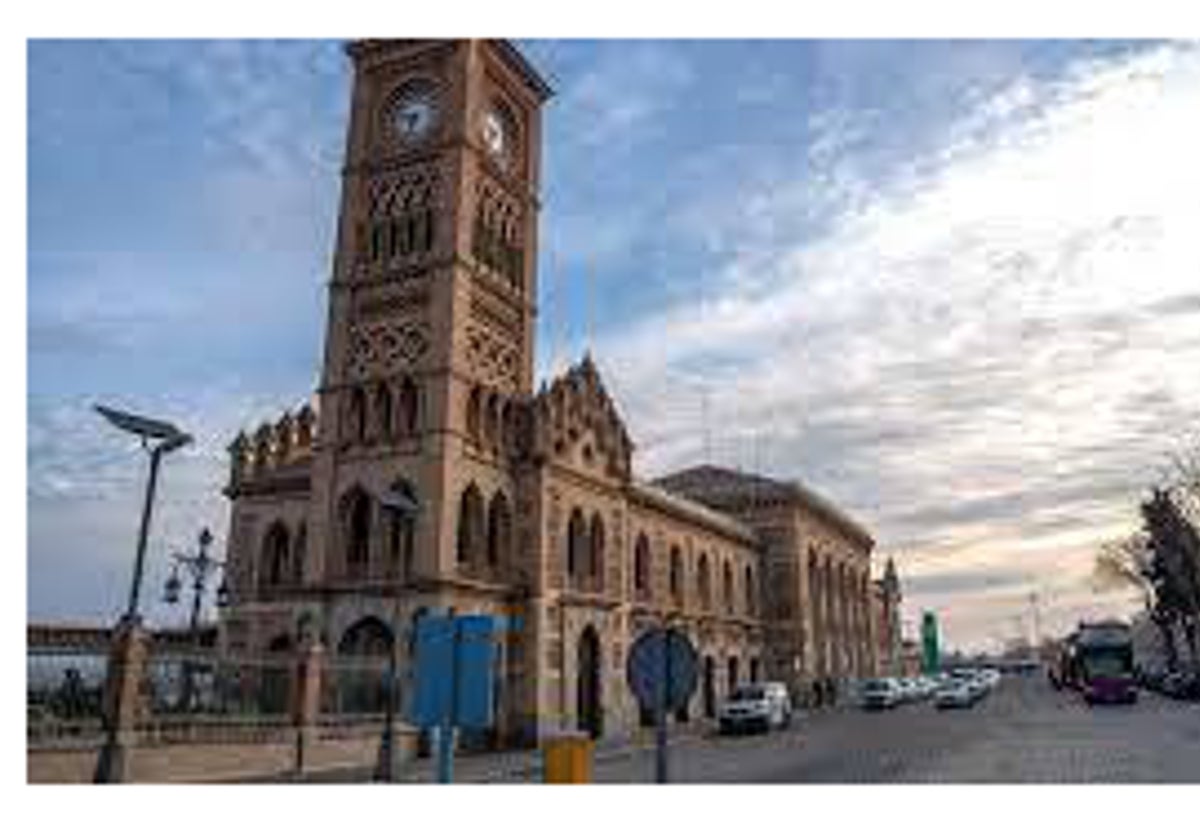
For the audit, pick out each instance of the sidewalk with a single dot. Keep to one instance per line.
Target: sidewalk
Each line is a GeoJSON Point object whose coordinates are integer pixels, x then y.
{"type": "Point", "coordinates": [514, 766]}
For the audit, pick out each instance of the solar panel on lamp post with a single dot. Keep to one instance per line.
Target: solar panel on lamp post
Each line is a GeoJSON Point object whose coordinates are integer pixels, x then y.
{"type": "Point", "coordinates": [167, 438]}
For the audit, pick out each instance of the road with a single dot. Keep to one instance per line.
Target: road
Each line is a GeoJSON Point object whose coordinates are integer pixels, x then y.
{"type": "Point", "coordinates": [1023, 731]}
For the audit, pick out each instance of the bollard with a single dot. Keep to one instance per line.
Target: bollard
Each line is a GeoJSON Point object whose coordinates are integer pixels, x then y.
{"type": "Point", "coordinates": [567, 758]}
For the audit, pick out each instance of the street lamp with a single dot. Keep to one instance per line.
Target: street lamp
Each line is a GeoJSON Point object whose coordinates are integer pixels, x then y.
{"type": "Point", "coordinates": [198, 566]}
{"type": "Point", "coordinates": [166, 438]}
{"type": "Point", "coordinates": [400, 503]}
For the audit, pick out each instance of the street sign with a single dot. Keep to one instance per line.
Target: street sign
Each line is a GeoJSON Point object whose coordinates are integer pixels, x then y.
{"type": "Point", "coordinates": [455, 671]}
{"type": "Point", "coordinates": [661, 660]}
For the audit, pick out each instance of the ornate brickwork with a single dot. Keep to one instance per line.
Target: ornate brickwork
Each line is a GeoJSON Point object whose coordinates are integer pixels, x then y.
{"type": "Point", "coordinates": [384, 348]}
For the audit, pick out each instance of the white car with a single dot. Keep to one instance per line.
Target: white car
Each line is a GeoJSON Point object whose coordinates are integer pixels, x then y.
{"type": "Point", "coordinates": [756, 706]}
{"type": "Point", "coordinates": [955, 694]}
{"type": "Point", "coordinates": [879, 693]}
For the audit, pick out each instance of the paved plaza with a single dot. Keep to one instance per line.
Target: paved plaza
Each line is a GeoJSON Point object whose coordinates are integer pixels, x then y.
{"type": "Point", "coordinates": [1022, 732]}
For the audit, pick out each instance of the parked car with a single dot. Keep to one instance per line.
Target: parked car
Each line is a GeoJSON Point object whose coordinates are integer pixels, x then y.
{"type": "Point", "coordinates": [756, 707]}
{"type": "Point", "coordinates": [1181, 685]}
{"type": "Point", "coordinates": [955, 694]}
{"type": "Point", "coordinates": [880, 693]}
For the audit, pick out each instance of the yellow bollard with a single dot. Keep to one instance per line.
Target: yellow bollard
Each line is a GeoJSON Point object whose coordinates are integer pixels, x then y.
{"type": "Point", "coordinates": [567, 758]}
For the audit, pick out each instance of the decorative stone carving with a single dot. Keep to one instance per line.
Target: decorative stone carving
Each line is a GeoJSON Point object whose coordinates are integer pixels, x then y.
{"type": "Point", "coordinates": [384, 348]}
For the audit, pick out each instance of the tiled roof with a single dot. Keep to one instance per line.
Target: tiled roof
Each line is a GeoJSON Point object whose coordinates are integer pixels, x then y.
{"type": "Point", "coordinates": [733, 489]}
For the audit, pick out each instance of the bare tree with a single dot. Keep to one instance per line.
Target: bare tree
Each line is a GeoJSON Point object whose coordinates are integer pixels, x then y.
{"type": "Point", "coordinates": [1125, 563]}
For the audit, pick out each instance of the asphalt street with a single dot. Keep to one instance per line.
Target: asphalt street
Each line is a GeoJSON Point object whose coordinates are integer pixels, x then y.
{"type": "Point", "coordinates": [1023, 731]}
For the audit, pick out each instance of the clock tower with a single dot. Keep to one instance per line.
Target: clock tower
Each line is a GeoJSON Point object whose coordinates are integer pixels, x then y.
{"type": "Point", "coordinates": [429, 339]}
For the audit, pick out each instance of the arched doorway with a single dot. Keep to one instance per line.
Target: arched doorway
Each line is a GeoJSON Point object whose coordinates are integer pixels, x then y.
{"type": "Point", "coordinates": [360, 674]}
{"type": "Point", "coordinates": [589, 712]}
{"type": "Point", "coordinates": [710, 687]}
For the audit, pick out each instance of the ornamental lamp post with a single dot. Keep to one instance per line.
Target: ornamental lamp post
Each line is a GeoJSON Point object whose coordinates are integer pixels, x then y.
{"type": "Point", "coordinates": [198, 566]}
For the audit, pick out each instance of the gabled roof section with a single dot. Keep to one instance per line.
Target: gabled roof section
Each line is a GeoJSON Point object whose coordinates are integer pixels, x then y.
{"type": "Point", "coordinates": [734, 490]}
{"type": "Point", "coordinates": [576, 403]}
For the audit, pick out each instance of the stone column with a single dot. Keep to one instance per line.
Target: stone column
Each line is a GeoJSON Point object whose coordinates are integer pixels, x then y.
{"type": "Point", "coordinates": [122, 701]}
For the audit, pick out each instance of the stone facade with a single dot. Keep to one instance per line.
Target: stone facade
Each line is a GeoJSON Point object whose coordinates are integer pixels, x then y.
{"type": "Point", "coordinates": [429, 475]}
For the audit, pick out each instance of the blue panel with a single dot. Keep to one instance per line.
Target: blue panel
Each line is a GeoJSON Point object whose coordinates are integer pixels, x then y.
{"type": "Point", "coordinates": [476, 662]}
{"type": "Point", "coordinates": [433, 680]}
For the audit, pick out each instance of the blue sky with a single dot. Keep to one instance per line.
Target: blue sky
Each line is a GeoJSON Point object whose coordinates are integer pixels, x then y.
{"type": "Point", "coordinates": [951, 285]}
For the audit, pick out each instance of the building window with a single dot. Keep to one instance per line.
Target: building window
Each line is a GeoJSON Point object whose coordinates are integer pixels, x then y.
{"type": "Point", "coordinates": [675, 574]}
{"type": "Point", "coordinates": [275, 555]}
{"type": "Point", "coordinates": [641, 566]}
{"type": "Point", "coordinates": [383, 410]}
{"type": "Point", "coordinates": [357, 508]}
{"type": "Point", "coordinates": [357, 416]}
{"type": "Point", "coordinates": [702, 581]}
{"type": "Point", "coordinates": [596, 554]}
{"type": "Point", "coordinates": [474, 411]}
{"type": "Point", "coordinates": [728, 581]}
{"type": "Point", "coordinates": [499, 532]}
{"type": "Point", "coordinates": [402, 506]}
{"type": "Point", "coordinates": [299, 553]}
{"type": "Point", "coordinates": [577, 540]}
{"type": "Point", "coordinates": [470, 526]}
{"type": "Point", "coordinates": [410, 404]}
{"type": "Point", "coordinates": [750, 590]}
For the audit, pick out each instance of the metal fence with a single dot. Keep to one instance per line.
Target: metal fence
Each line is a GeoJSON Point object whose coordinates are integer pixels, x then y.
{"type": "Point", "coordinates": [357, 687]}
{"type": "Point", "coordinates": [64, 693]}
{"type": "Point", "coordinates": [188, 695]}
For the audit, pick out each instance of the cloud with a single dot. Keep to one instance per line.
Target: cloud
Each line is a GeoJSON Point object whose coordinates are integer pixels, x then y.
{"type": "Point", "coordinates": [974, 354]}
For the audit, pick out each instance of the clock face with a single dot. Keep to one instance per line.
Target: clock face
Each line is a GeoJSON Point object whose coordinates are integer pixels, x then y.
{"type": "Point", "coordinates": [497, 133]}
{"type": "Point", "coordinates": [414, 115]}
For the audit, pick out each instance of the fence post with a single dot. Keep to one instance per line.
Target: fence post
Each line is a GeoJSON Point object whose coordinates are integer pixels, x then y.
{"type": "Point", "coordinates": [307, 700]}
{"type": "Point", "coordinates": [122, 701]}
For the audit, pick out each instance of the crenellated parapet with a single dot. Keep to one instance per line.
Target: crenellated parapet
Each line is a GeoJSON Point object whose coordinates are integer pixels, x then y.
{"type": "Point", "coordinates": [273, 448]}
{"type": "Point", "coordinates": [574, 418]}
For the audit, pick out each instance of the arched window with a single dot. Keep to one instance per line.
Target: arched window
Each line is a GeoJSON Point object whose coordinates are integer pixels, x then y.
{"type": "Point", "coordinates": [470, 526]}
{"type": "Point", "coordinates": [596, 555]}
{"type": "Point", "coordinates": [299, 553]}
{"type": "Point", "coordinates": [577, 544]}
{"type": "Point", "coordinates": [401, 506]}
{"type": "Point", "coordinates": [733, 673]}
{"type": "Point", "coordinates": [491, 417]}
{"type": "Point", "coordinates": [641, 566]}
{"type": "Point", "coordinates": [474, 412]}
{"type": "Point", "coordinates": [507, 431]}
{"type": "Point", "coordinates": [702, 581]}
{"type": "Point", "coordinates": [275, 555]}
{"type": "Point", "coordinates": [728, 581]}
{"type": "Point", "coordinates": [356, 506]}
{"type": "Point", "coordinates": [383, 410]}
{"type": "Point", "coordinates": [357, 415]}
{"type": "Point", "coordinates": [410, 406]}
{"type": "Point", "coordinates": [499, 532]}
{"type": "Point", "coordinates": [749, 590]}
{"type": "Point", "coordinates": [675, 574]}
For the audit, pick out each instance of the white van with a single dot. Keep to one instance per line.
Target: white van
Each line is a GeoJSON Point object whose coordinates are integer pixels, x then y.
{"type": "Point", "coordinates": [756, 706]}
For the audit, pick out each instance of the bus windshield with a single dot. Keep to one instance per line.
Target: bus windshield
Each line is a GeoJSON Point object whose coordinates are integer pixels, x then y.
{"type": "Point", "coordinates": [1106, 663]}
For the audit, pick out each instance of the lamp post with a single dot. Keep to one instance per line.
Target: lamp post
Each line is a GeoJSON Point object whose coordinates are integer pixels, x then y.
{"type": "Point", "coordinates": [158, 438]}
{"type": "Point", "coordinates": [198, 566]}
{"type": "Point", "coordinates": [167, 439]}
{"type": "Point", "coordinates": [400, 503]}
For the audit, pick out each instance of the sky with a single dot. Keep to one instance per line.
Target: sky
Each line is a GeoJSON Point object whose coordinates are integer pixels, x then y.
{"type": "Point", "coordinates": [953, 286]}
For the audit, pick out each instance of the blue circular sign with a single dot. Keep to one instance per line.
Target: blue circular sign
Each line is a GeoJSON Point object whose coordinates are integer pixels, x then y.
{"type": "Point", "coordinates": [662, 668]}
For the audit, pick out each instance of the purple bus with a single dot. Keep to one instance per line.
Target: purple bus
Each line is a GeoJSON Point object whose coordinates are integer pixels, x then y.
{"type": "Point", "coordinates": [1103, 654]}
